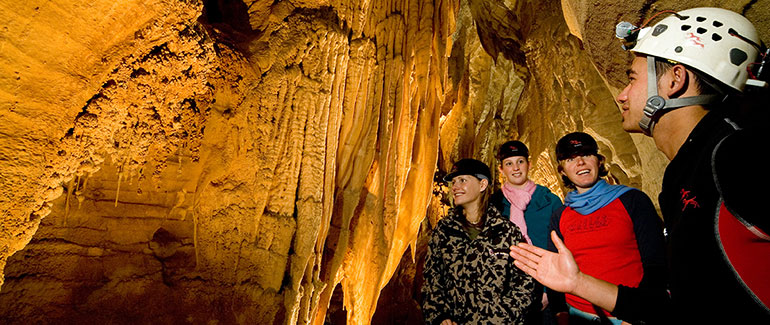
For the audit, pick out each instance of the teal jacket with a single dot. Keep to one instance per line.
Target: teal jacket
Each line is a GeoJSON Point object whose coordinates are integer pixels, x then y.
{"type": "Point", "coordinates": [537, 215]}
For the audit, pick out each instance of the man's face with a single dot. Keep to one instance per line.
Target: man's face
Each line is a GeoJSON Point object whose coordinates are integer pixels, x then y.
{"type": "Point", "coordinates": [634, 96]}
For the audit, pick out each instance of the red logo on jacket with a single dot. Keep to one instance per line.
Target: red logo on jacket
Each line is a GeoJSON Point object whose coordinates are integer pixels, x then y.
{"type": "Point", "coordinates": [687, 200]}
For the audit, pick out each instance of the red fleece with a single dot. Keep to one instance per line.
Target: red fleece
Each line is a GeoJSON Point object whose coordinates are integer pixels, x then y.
{"type": "Point", "coordinates": [604, 246]}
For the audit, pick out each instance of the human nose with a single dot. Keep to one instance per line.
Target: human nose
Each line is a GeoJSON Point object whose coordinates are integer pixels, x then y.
{"type": "Point", "coordinates": [579, 160]}
{"type": "Point", "coordinates": [623, 96]}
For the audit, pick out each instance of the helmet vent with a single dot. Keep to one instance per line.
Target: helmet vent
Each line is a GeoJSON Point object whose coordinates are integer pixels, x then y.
{"type": "Point", "coordinates": [686, 27]}
{"type": "Point", "coordinates": [700, 19]}
{"type": "Point", "coordinates": [716, 37]}
{"type": "Point", "coordinates": [717, 23]}
{"type": "Point", "coordinates": [738, 56]}
{"type": "Point", "coordinates": [701, 30]}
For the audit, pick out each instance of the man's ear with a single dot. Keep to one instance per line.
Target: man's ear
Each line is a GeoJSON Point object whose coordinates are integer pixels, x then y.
{"type": "Point", "coordinates": [676, 81]}
{"type": "Point", "coordinates": [484, 185]}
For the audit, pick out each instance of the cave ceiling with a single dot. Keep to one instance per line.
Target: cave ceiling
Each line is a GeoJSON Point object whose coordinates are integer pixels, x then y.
{"type": "Point", "coordinates": [245, 161]}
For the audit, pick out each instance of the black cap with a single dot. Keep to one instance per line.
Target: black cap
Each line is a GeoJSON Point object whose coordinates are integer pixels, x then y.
{"type": "Point", "coordinates": [469, 166]}
{"type": "Point", "coordinates": [576, 144]}
{"type": "Point", "coordinates": [512, 149]}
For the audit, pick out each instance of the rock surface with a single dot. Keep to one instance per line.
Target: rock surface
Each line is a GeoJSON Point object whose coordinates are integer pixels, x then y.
{"type": "Point", "coordinates": [187, 161]}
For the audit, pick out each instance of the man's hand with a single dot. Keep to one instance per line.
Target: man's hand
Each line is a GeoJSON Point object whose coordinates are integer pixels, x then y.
{"type": "Point", "coordinates": [556, 271]}
{"type": "Point", "coordinates": [560, 272]}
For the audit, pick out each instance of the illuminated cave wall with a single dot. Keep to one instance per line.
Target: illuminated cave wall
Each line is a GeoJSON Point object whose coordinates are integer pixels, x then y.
{"type": "Point", "coordinates": [273, 162]}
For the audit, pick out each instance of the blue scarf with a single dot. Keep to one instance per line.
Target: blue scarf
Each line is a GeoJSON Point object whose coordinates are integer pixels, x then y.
{"type": "Point", "coordinates": [595, 198]}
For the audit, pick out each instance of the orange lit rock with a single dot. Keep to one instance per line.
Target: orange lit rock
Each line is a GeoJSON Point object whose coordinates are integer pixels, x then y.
{"type": "Point", "coordinates": [247, 161]}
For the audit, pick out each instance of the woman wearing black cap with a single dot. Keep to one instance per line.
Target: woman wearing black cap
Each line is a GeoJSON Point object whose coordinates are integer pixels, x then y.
{"type": "Point", "coordinates": [469, 275]}
{"type": "Point", "coordinates": [529, 206]}
{"type": "Point", "coordinates": [613, 231]}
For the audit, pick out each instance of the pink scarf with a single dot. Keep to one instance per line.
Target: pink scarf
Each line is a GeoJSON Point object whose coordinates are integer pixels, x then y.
{"type": "Point", "coordinates": [519, 199]}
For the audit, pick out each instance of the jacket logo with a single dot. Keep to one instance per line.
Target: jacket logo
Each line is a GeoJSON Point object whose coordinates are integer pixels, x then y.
{"type": "Point", "coordinates": [687, 200]}
{"type": "Point", "coordinates": [589, 223]}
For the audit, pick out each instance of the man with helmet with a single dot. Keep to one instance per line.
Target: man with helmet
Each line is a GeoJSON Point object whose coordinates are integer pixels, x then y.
{"type": "Point", "coordinates": [687, 72]}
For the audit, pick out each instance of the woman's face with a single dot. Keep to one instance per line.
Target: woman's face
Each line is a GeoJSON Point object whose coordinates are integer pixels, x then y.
{"type": "Point", "coordinates": [466, 189]}
{"type": "Point", "coordinates": [514, 170]}
{"type": "Point", "coordinates": [583, 171]}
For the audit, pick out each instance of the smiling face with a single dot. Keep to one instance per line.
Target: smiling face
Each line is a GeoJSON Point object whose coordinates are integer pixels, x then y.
{"type": "Point", "coordinates": [514, 170]}
{"type": "Point", "coordinates": [583, 171]}
{"type": "Point", "coordinates": [634, 97]}
{"type": "Point", "coordinates": [466, 190]}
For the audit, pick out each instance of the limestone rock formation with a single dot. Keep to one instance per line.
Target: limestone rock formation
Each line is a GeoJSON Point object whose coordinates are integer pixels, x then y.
{"type": "Point", "coordinates": [250, 161]}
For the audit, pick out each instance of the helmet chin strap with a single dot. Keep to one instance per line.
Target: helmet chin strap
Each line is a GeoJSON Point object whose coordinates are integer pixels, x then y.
{"type": "Point", "coordinates": [656, 105]}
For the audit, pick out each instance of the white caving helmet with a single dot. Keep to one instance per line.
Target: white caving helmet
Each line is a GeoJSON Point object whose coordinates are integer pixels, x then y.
{"type": "Point", "coordinates": [716, 42]}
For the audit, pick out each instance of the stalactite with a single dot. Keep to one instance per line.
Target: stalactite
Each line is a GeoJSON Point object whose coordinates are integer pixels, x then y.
{"type": "Point", "coordinates": [117, 190]}
{"type": "Point", "coordinates": [71, 187]}
{"type": "Point", "coordinates": [79, 190]}
{"type": "Point", "coordinates": [196, 245]}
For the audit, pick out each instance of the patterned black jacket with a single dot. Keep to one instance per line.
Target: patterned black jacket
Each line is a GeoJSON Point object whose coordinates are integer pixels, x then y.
{"type": "Point", "coordinates": [475, 281]}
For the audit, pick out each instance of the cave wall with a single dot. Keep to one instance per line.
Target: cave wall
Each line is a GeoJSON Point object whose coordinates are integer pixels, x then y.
{"type": "Point", "coordinates": [301, 136]}
{"type": "Point", "coordinates": [237, 161]}
{"type": "Point", "coordinates": [58, 71]}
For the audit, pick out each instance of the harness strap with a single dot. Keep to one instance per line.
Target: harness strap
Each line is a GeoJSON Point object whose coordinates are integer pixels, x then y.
{"type": "Point", "coordinates": [656, 105]}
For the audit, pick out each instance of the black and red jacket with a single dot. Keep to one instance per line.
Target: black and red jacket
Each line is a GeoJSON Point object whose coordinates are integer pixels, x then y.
{"type": "Point", "coordinates": [708, 251]}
